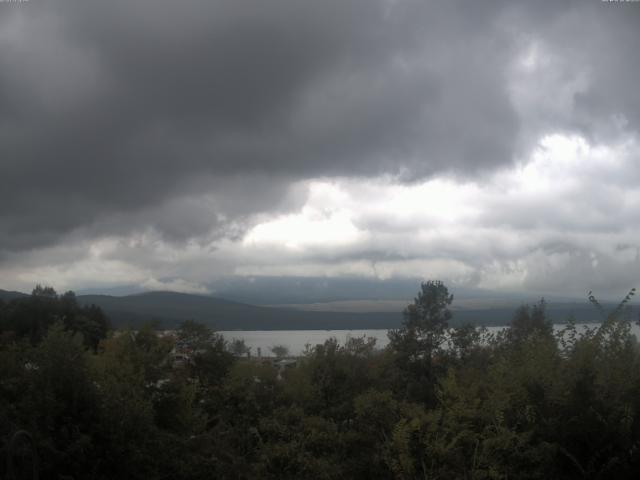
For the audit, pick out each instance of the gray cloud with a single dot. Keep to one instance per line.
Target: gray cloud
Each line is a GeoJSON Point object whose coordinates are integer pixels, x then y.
{"type": "Point", "coordinates": [113, 106]}
{"type": "Point", "coordinates": [194, 120]}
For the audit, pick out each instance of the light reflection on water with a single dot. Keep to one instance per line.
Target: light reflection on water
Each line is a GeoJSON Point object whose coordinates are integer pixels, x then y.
{"type": "Point", "coordinates": [296, 340]}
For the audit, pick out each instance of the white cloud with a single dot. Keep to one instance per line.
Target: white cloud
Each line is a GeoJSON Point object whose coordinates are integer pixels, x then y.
{"type": "Point", "coordinates": [523, 227]}
{"type": "Point", "coordinates": [309, 228]}
{"type": "Point", "coordinates": [565, 219]}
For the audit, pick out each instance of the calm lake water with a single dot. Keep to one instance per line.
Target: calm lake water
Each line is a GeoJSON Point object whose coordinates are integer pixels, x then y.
{"type": "Point", "coordinates": [296, 340]}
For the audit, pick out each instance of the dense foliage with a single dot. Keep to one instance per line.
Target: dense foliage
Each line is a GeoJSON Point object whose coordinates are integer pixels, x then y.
{"type": "Point", "coordinates": [436, 403]}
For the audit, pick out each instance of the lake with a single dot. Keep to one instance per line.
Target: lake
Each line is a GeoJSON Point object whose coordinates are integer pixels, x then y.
{"type": "Point", "coordinates": [296, 340]}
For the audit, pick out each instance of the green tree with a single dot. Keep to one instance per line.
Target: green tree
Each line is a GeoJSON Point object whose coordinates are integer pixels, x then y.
{"type": "Point", "coordinates": [420, 339]}
{"type": "Point", "coordinates": [128, 373]}
{"type": "Point", "coordinates": [194, 335]}
{"type": "Point", "coordinates": [208, 353]}
{"type": "Point", "coordinates": [280, 351]}
{"type": "Point", "coordinates": [529, 321]}
{"type": "Point", "coordinates": [239, 348]}
{"type": "Point", "coordinates": [60, 403]}
{"type": "Point", "coordinates": [32, 316]}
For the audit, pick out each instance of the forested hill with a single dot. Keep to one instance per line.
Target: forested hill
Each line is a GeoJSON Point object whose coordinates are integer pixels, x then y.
{"type": "Point", "coordinates": [170, 308]}
{"type": "Point", "coordinates": [6, 295]}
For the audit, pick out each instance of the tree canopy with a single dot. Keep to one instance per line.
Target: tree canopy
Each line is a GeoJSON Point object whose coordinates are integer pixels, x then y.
{"type": "Point", "coordinates": [526, 403]}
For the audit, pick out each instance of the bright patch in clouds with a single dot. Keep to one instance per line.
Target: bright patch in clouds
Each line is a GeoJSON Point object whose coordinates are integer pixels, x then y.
{"type": "Point", "coordinates": [508, 232]}
{"type": "Point", "coordinates": [310, 228]}
{"type": "Point", "coordinates": [324, 221]}
{"type": "Point", "coordinates": [546, 223]}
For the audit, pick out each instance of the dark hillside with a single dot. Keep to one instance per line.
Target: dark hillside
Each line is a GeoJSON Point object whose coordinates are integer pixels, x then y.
{"type": "Point", "coordinates": [8, 295]}
{"type": "Point", "coordinates": [171, 308]}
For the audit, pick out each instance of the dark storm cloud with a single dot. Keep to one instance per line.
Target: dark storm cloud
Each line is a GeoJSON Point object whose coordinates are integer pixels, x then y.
{"type": "Point", "coordinates": [586, 77]}
{"type": "Point", "coordinates": [107, 107]}
{"type": "Point", "coordinates": [125, 110]}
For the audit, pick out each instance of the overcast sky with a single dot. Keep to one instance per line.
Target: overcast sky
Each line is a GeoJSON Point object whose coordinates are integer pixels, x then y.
{"type": "Point", "coordinates": [492, 144]}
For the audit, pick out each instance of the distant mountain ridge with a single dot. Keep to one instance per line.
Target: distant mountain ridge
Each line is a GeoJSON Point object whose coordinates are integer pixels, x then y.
{"type": "Point", "coordinates": [7, 295]}
{"type": "Point", "coordinates": [277, 290]}
{"type": "Point", "coordinates": [168, 309]}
